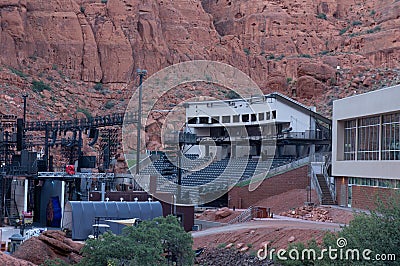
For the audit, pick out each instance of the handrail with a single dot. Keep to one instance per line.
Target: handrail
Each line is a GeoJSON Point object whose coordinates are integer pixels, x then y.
{"type": "Point", "coordinates": [243, 217]}
{"type": "Point", "coordinates": [330, 185]}
{"type": "Point", "coordinates": [315, 183]}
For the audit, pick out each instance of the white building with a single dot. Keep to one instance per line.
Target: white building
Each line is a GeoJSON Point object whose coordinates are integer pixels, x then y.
{"type": "Point", "coordinates": [269, 117]}
{"type": "Point", "coordinates": [366, 146]}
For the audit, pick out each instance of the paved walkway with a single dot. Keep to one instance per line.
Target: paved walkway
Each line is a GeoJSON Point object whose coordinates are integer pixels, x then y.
{"type": "Point", "coordinates": [277, 222]}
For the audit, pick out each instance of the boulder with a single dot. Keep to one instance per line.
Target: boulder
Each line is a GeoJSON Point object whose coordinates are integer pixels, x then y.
{"type": "Point", "coordinates": [223, 212]}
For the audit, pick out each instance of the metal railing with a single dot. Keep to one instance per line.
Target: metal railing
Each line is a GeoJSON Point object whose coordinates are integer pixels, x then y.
{"type": "Point", "coordinates": [245, 216]}
{"type": "Point", "coordinates": [315, 184]}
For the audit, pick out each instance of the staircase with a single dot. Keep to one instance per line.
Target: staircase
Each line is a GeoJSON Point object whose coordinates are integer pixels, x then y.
{"type": "Point", "coordinates": [245, 216]}
{"type": "Point", "coordinates": [10, 205]}
{"type": "Point", "coordinates": [326, 194]}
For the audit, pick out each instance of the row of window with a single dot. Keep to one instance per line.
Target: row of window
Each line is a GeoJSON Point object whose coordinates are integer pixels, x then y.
{"type": "Point", "coordinates": [233, 118]}
{"type": "Point", "coordinates": [367, 138]}
{"type": "Point", "coordinates": [374, 182]}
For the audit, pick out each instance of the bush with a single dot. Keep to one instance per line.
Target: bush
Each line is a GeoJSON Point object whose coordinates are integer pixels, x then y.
{"type": "Point", "coordinates": [376, 29]}
{"type": "Point", "coordinates": [39, 86]}
{"type": "Point", "coordinates": [356, 23]}
{"type": "Point", "coordinates": [305, 55]}
{"type": "Point", "coordinates": [321, 16]}
{"type": "Point", "coordinates": [270, 56]}
{"type": "Point", "coordinates": [109, 105]}
{"type": "Point", "coordinates": [141, 245]}
{"type": "Point", "coordinates": [19, 73]}
{"type": "Point", "coordinates": [378, 232]}
{"type": "Point", "coordinates": [343, 31]}
{"type": "Point", "coordinates": [85, 112]}
{"type": "Point", "coordinates": [98, 86]}
{"type": "Point", "coordinates": [246, 51]}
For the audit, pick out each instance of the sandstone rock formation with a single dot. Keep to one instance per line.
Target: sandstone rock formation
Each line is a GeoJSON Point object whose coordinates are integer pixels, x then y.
{"type": "Point", "coordinates": [49, 245]}
{"type": "Point", "coordinates": [316, 51]}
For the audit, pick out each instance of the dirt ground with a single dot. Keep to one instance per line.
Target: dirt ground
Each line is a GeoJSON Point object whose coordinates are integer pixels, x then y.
{"type": "Point", "coordinates": [284, 202]}
{"type": "Point", "coordinates": [278, 233]}
{"type": "Point", "coordinates": [209, 215]}
{"type": "Point", "coordinates": [257, 238]}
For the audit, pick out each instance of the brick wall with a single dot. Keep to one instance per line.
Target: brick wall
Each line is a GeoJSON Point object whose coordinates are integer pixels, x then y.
{"type": "Point", "coordinates": [341, 185]}
{"type": "Point", "coordinates": [241, 197]}
{"type": "Point", "coordinates": [364, 197]}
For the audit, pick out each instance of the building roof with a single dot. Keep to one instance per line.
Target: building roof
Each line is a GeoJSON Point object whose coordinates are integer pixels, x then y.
{"type": "Point", "coordinates": [281, 97]}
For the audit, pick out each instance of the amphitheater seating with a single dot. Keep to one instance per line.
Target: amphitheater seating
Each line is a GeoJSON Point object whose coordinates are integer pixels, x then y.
{"type": "Point", "coordinates": [194, 173]}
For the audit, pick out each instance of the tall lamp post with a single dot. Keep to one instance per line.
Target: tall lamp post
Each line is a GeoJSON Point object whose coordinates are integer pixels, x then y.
{"type": "Point", "coordinates": [24, 122]}
{"type": "Point", "coordinates": [142, 73]}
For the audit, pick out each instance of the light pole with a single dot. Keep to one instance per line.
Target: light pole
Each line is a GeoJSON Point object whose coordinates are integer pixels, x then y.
{"type": "Point", "coordinates": [142, 73]}
{"type": "Point", "coordinates": [24, 122]}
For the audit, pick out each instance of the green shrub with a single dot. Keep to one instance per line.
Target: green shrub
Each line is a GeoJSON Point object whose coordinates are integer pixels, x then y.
{"type": "Point", "coordinates": [246, 51]}
{"type": "Point", "coordinates": [305, 55]}
{"type": "Point", "coordinates": [141, 245]}
{"type": "Point", "coordinates": [85, 112]}
{"type": "Point", "coordinates": [343, 31]}
{"type": "Point", "coordinates": [39, 86]}
{"type": "Point", "coordinates": [18, 73]}
{"type": "Point", "coordinates": [109, 105]}
{"type": "Point", "coordinates": [270, 56]}
{"type": "Point", "coordinates": [98, 86]}
{"type": "Point", "coordinates": [356, 23]}
{"type": "Point", "coordinates": [376, 29]}
{"type": "Point", "coordinates": [104, 1]}
{"type": "Point", "coordinates": [321, 16]}
{"type": "Point", "coordinates": [378, 232]}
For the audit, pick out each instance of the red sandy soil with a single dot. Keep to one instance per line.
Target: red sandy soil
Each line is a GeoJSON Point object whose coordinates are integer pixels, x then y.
{"type": "Point", "coordinates": [256, 238]}
{"type": "Point", "coordinates": [278, 236]}
{"type": "Point", "coordinates": [284, 202]}
{"type": "Point", "coordinates": [209, 215]}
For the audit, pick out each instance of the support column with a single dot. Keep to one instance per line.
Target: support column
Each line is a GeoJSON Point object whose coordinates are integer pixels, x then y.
{"type": "Point", "coordinates": [207, 147]}
{"type": "Point", "coordinates": [62, 203]}
{"type": "Point", "coordinates": [26, 195]}
{"type": "Point", "coordinates": [233, 147]}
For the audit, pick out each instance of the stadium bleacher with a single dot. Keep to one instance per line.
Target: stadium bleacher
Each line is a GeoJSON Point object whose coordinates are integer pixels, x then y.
{"type": "Point", "coordinates": [199, 171]}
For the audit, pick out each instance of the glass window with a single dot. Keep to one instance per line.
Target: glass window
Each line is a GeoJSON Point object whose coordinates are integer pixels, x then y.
{"type": "Point", "coordinates": [204, 120]}
{"type": "Point", "coordinates": [253, 117]}
{"type": "Point", "coordinates": [260, 116]}
{"type": "Point", "coordinates": [226, 119]}
{"type": "Point", "coordinates": [192, 120]}
{"type": "Point", "coordinates": [391, 137]}
{"type": "Point", "coordinates": [268, 115]}
{"type": "Point", "coordinates": [245, 118]}
{"type": "Point", "coordinates": [368, 138]}
{"type": "Point", "coordinates": [274, 114]}
{"type": "Point", "coordinates": [350, 140]}
{"type": "Point", "coordinates": [235, 118]}
{"type": "Point", "coordinates": [215, 120]}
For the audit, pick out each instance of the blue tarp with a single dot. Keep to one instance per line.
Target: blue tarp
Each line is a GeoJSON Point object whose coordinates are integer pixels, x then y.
{"type": "Point", "coordinates": [80, 216]}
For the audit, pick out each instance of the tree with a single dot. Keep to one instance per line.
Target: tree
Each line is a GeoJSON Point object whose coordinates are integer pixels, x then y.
{"type": "Point", "coordinates": [144, 245]}
{"type": "Point", "coordinates": [377, 231]}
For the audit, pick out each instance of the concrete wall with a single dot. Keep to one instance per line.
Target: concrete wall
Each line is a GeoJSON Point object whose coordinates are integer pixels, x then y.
{"type": "Point", "coordinates": [368, 104]}
{"type": "Point", "coordinates": [241, 197]}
